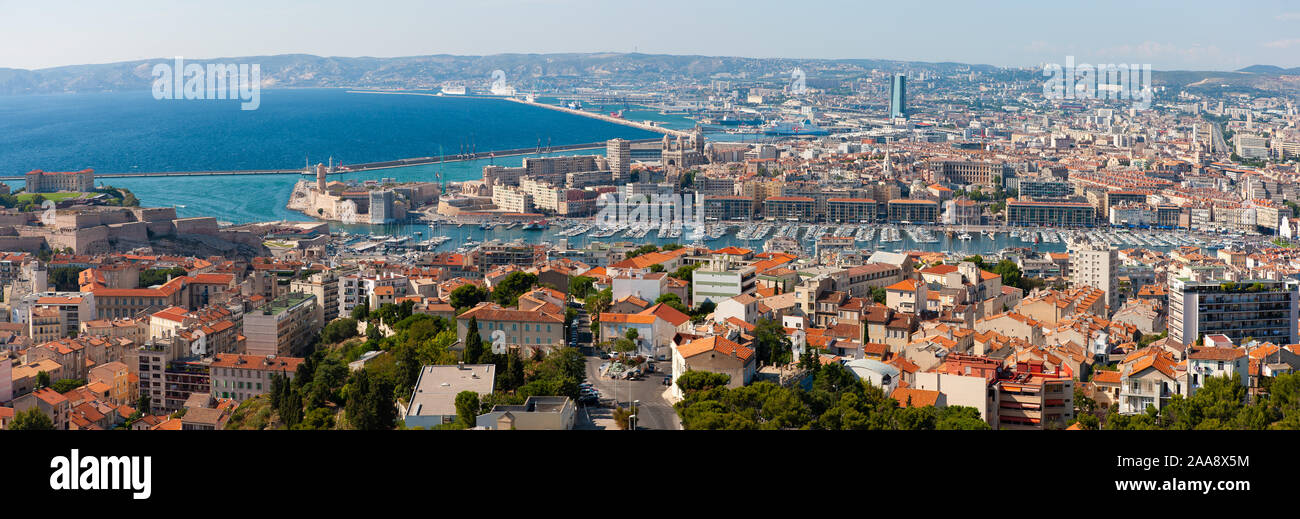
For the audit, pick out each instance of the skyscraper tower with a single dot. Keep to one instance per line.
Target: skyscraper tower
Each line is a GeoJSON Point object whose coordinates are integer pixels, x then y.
{"type": "Point", "coordinates": [898, 97]}
{"type": "Point", "coordinates": [619, 154]}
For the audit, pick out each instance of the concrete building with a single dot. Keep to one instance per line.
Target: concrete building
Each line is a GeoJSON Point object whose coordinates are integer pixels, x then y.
{"type": "Point", "coordinates": [382, 209]}
{"type": "Point", "coordinates": [6, 379]}
{"type": "Point", "coordinates": [38, 181]}
{"type": "Point", "coordinates": [1097, 267]}
{"type": "Point", "coordinates": [241, 377]}
{"type": "Point", "coordinates": [527, 328]}
{"type": "Point", "coordinates": [281, 327]}
{"type": "Point", "coordinates": [1032, 398]}
{"type": "Point", "coordinates": [433, 402]}
{"type": "Point", "coordinates": [1266, 310]}
{"type": "Point", "coordinates": [913, 211]}
{"type": "Point", "coordinates": [790, 208]}
{"type": "Point", "coordinates": [619, 154]}
{"type": "Point", "coordinates": [538, 413]}
{"type": "Point", "coordinates": [715, 355]}
{"type": "Point", "coordinates": [50, 403]}
{"type": "Point", "coordinates": [720, 280]}
{"type": "Point", "coordinates": [325, 286]}
{"type": "Point", "coordinates": [1206, 362]}
{"type": "Point", "coordinates": [169, 375]}
{"type": "Point", "coordinates": [1057, 214]}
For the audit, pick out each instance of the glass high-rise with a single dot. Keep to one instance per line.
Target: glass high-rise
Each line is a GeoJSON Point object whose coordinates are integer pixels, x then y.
{"type": "Point", "coordinates": [898, 97]}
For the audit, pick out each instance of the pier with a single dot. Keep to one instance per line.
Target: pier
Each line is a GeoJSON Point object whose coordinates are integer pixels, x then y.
{"type": "Point", "coordinates": [606, 118]}
{"type": "Point", "coordinates": [369, 166]}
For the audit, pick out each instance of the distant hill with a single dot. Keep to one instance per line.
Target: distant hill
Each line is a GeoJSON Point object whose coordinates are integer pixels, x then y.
{"type": "Point", "coordinates": [522, 70]}
{"type": "Point", "coordinates": [553, 71]}
{"type": "Point", "coordinates": [1270, 69]}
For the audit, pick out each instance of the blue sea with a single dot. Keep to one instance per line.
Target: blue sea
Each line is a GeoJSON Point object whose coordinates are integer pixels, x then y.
{"type": "Point", "coordinates": [127, 132]}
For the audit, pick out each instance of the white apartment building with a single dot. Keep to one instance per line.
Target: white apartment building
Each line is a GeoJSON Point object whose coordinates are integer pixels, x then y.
{"type": "Point", "coordinates": [1096, 267]}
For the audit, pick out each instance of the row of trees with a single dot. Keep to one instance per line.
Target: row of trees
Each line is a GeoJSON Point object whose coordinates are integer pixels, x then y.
{"type": "Point", "coordinates": [506, 292]}
{"type": "Point", "coordinates": [1221, 403]}
{"type": "Point", "coordinates": [153, 277]}
{"type": "Point", "coordinates": [836, 401]}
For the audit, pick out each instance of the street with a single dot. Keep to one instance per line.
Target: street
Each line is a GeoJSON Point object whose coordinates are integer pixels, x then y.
{"type": "Point", "coordinates": [655, 412]}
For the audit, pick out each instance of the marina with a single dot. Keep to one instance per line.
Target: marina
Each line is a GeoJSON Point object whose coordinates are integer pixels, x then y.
{"type": "Point", "coordinates": [447, 236]}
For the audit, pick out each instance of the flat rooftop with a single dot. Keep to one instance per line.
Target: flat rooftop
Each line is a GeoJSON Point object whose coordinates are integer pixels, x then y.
{"type": "Point", "coordinates": [285, 302]}
{"type": "Point", "coordinates": [436, 390]}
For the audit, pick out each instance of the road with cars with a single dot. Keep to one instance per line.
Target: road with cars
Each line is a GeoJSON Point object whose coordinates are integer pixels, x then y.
{"type": "Point", "coordinates": [606, 393]}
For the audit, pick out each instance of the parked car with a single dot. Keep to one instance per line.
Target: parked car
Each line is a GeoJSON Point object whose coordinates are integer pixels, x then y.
{"type": "Point", "coordinates": [604, 355]}
{"type": "Point", "coordinates": [668, 381]}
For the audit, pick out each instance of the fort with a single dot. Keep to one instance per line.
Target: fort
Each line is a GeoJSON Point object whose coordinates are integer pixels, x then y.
{"type": "Point", "coordinates": [97, 229]}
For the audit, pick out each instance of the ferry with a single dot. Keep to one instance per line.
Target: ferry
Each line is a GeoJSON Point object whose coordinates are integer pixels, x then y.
{"type": "Point", "coordinates": [536, 225]}
{"type": "Point", "coordinates": [804, 127]}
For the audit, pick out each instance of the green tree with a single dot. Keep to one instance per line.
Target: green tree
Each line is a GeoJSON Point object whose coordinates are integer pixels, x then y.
{"type": "Point", "coordinates": [359, 411]}
{"type": "Point", "coordinates": [702, 381]}
{"type": "Point", "coordinates": [467, 407]}
{"type": "Point", "coordinates": [67, 384]}
{"type": "Point", "coordinates": [360, 312]}
{"type": "Point", "coordinates": [42, 380]}
{"type": "Point", "coordinates": [153, 277]}
{"type": "Point", "coordinates": [644, 249]}
{"type": "Point", "coordinates": [704, 309]}
{"type": "Point", "coordinates": [473, 342]}
{"type": "Point", "coordinates": [958, 417]}
{"type": "Point", "coordinates": [674, 301]}
{"type": "Point", "coordinates": [771, 343]}
{"type": "Point", "coordinates": [291, 409]}
{"type": "Point", "coordinates": [468, 296]}
{"type": "Point", "coordinates": [581, 286]}
{"type": "Point", "coordinates": [507, 292]}
{"type": "Point", "coordinates": [685, 272]}
{"type": "Point", "coordinates": [1010, 273]}
{"type": "Point", "coordinates": [31, 420]}
{"type": "Point", "coordinates": [339, 330]}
